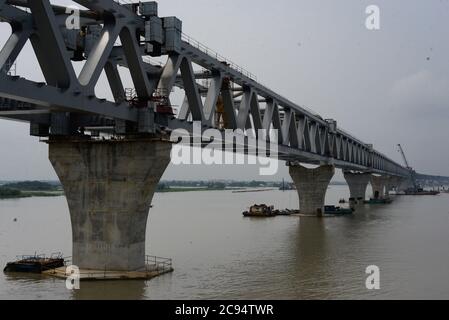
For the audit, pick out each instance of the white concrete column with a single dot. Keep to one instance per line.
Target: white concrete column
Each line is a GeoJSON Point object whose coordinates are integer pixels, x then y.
{"type": "Point", "coordinates": [312, 185]}
{"type": "Point", "coordinates": [357, 182]}
{"type": "Point", "coordinates": [109, 186]}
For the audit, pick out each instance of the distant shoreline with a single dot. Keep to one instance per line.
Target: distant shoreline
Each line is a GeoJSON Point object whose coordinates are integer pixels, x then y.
{"type": "Point", "coordinates": [28, 189]}
{"type": "Point", "coordinates": [32, 194]}
{"type": "Point", "coordinates": [176, 190]}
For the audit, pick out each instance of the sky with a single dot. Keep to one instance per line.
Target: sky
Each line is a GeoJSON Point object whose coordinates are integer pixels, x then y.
{"type": "Point", "coordinates": [386, 86]}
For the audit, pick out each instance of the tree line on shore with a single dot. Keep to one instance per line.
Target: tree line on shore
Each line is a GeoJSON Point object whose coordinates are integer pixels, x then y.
{"type": "Point", "coordinates": [27, 189]}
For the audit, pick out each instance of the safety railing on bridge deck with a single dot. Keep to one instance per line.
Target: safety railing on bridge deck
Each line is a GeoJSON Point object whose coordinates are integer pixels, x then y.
{"type": "Point", "coordinates": [198, 45]}
{"type": "Point", "coordinates": [211, 53]}
{"type": "Point", "coordinates": [126, 1]}
{"type": "Point", "coordinates": [349, 135]}
{"type": "Point", "coordinates": [215, 55]}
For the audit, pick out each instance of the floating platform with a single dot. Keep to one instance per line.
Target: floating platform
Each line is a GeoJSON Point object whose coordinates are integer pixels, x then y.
{"type": "Point", "coordinates": [99, 275]}
{"type": "Point", "coordinates": [154, 267]}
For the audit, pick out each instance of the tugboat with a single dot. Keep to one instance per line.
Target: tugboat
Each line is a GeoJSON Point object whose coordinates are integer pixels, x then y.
{"type": "Point", "coordinates": [333, 210]}
{"type": "Point", "coordinates": [260, 211]}
{"type": "Point", "coordinates": [35, 264]}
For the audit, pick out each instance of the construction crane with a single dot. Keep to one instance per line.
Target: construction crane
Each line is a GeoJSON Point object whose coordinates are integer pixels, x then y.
{"type": "Point", "coordinates": [412, 172]}
{"type": "Point", "coordinates": [404, 157]}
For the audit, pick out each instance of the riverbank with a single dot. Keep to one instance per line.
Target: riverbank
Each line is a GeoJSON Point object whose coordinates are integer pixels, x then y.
{"type": "Point", "coordinates": [27, 189]}
{"type": "Point", "coordinates": [4, 195]}
{"type": "Point", "coordinates": [179, 189]}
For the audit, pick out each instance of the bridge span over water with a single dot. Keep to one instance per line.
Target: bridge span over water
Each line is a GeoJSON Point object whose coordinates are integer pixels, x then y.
{"type": "Point", "coordinates": [110, 183]}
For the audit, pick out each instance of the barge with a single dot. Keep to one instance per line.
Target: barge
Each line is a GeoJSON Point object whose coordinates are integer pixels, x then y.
{"type": "Point", "coordinates": [264, 211]}
{"type": "Point", "coordinates": [260, 211]}
{"type": "Point", "coordinates": [35, 263]}
{"type": "Point", "coordinates": [422, 193]}
{"type": "Point", "coordinates": [333, 210]}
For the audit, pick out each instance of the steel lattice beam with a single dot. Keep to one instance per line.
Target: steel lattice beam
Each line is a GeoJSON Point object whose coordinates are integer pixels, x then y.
{"type": "Point", "coordinates": [303, 136]}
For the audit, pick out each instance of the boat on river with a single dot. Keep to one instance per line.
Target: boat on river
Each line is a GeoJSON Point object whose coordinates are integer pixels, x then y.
{"type": "Point", "coordinates": [35, 264]}
{"type": "Point", "coordinates": [378, 201]}
{"type": "Point", "coordinates": [260, 211]}
{"type": "Point", "coordinates": [333, 210]}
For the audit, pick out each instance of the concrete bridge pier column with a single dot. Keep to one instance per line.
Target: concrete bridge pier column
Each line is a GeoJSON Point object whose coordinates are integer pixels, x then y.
{"type": "Point", "coordinates": [394, 183]}
{"type": "Point", "coordinates": [378, 184]}
{"type": "Point", "coordinates": [311, 185]}
{"type": "Point", "coordinates": [391, 183]}
{"type": "Point", "coordinates": [404, 184]}
{"type": "Point", "coordinates": [357, 182]}
{"type": "Point", "coordinates": [109, 186]}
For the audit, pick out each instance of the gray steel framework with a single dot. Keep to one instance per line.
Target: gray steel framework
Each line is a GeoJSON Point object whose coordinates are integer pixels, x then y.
{"type": "Point", "coordinates": [113, 35]}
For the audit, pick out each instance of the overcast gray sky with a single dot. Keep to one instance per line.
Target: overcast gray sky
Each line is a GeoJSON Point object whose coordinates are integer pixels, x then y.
{"type": "Point", "coordinates": [385, 87]}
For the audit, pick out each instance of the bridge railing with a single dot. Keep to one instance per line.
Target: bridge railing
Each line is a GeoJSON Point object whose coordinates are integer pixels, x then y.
{"type": "Point", "coordinates": [152, 264]}
{"type": "Point", "coordinates": [158, 264]}
{"type": "Point", "coordinates": [213, 54]}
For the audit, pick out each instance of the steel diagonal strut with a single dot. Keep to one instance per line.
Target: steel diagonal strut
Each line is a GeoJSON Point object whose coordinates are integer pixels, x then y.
{"type": "Point", "coordinates": [218, 93]}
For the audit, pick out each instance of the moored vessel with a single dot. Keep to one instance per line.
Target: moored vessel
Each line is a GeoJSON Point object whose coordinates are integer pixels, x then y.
{"type": "Point", "coordinates": [35, 263]}
{"type": "Point", "coordinates": [260, 211]}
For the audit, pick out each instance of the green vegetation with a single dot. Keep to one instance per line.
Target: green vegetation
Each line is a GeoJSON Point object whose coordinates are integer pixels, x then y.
{"type": "Point", "coordinates": [190, 186]}
{"type": "Point", "coordinates": [24, 189]}
{"type": "Point", "coordinates": [166, 187]}
{"type": "Point", "coordinates": [7, 193]}
{"type": "Point", "coordinates": [32, 186]}
{"type": "Point", "coordinates": [28, 189]}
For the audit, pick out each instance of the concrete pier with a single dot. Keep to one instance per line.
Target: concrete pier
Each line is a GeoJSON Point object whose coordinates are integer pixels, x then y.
{"type": "Point", "coordinates": [109, 187]}
{"type": "Point", "coordinates": [357, 182]}
{"type": "Point", "coordinates": [404, 184]}
{"type": "Point", "coordinates": [391, 183]}
{"type": "Point", "coordinates": [379, 183]}
{"type": "Point", "coordinates": [311, 185]}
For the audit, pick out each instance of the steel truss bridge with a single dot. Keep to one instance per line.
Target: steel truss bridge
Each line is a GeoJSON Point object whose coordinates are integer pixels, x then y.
{"type": "Point", "coordinates": [218, 93]}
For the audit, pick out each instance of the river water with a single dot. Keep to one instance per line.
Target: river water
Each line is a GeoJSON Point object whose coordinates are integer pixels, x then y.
{"type": "Point", "coordinates": [218, 254]}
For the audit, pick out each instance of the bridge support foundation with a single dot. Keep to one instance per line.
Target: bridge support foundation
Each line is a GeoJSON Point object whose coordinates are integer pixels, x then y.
{"type": "Point", "coordinates": [109, 187]}
{"type": "Point", "coordinates": [392, 183]}
{"type": "Point", "coordinates": [379, 184]}
{"type": "Point", "coordinates": [404, 184]}
{"type": "Point", "coordinates": [311, 185]}
{"type": "Point", "coordinates": [357, 182]}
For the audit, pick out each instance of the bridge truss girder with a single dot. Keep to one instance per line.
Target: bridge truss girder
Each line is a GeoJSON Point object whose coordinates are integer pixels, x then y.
{"type": "Point", "coordinates": [65, 97]}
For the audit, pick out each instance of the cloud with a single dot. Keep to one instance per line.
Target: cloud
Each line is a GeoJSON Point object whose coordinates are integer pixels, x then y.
{"type": "Point", "coordinates": [421, 94]}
